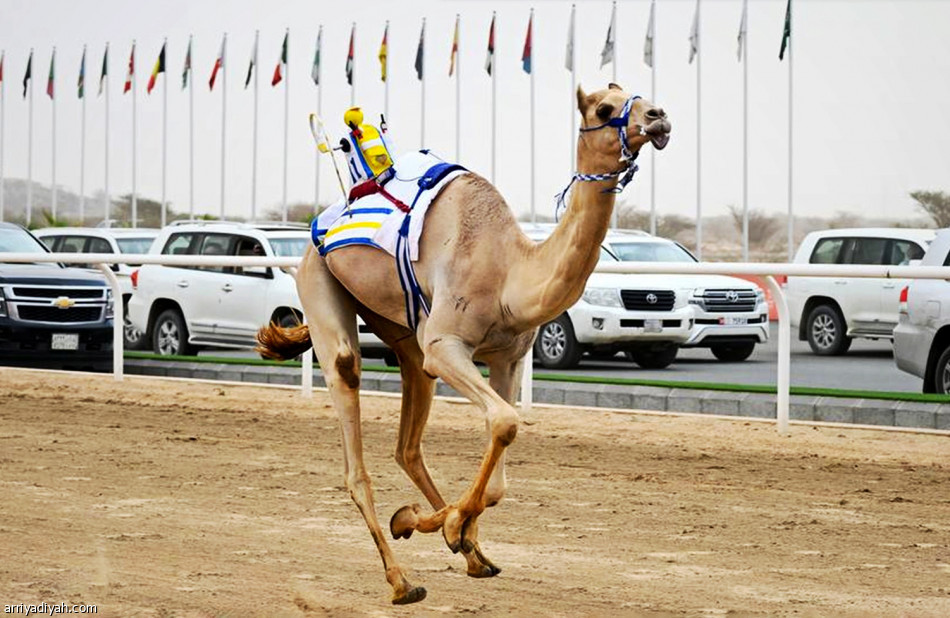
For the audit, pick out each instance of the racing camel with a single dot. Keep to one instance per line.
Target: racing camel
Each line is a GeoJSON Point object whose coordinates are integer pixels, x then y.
{"type": "Point", "coordinates": [490, 288]}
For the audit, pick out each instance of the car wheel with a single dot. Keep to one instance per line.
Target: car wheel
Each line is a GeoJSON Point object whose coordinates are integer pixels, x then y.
{"type": "Point", "coordinates": [134, 338]}
{"type": "Point", "coordinates": [556, 347]}
{"type": "Point", "coordinates": [289, 320]}
{"type": "Point", "coordinates": [390, 358]}
{"type": "Point", "coordinates": [733, 352]}
{"type": "Point", "coordinates": [656, 357]}
{"type": "Point", "coordinates": [170, 335]}
{"type": "Point", "coordinates": [826, 332]}
{"type": "Point", "coordinates": [941, 373]}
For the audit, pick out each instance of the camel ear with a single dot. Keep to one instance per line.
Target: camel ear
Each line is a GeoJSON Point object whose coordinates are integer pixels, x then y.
{"type": "Point", "coordinates": [582, 102]}
{"type": "Point", "coordinates": [613, 86]}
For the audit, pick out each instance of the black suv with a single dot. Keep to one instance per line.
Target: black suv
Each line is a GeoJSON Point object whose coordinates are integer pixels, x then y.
{"type": "Point", "coordinates": [51, 315]}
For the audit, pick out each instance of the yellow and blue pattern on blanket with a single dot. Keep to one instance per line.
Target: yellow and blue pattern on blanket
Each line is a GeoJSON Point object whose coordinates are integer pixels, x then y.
{"type": "Point", "coordinates": [375, 221]}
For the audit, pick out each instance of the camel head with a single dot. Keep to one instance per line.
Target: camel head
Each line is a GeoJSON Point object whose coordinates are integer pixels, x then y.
{"type": "Point", "coordinates": [646, 123]}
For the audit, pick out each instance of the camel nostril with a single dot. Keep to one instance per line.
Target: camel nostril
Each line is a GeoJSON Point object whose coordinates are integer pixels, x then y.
{"type": "Point", "coordinates": [652, 113]}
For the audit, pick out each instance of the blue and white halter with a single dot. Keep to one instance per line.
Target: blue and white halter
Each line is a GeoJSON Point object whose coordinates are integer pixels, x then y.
{"type": "Point", "coordinates": [627, 158]}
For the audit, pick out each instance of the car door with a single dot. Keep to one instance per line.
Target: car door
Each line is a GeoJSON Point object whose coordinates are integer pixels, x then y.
{"type": "Point", "coordinates": [863, 294]}
{"type": "Point", "coordinates": [207, 308]}
{"type": "Point", "coordinates": [899, 253]}
{"type": "Point", "coordinates": [181, 284]}
{"type": "Point", "coordinates": [242, 295]}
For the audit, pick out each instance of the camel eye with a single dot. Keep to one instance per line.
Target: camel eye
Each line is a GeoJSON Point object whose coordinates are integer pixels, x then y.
{"type": "Point", "coordinates": [605, 111]}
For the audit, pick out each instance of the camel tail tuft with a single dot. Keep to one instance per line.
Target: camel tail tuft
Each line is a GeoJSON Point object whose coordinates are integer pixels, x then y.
{"type": "Point", "coordinates": [275, 342]}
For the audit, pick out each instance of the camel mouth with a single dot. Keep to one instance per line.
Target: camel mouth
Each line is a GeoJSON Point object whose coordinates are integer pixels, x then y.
{"type": "Point", "coordinates": [660, 141]}
{"type": "Point", "coordinates": [659, 133]}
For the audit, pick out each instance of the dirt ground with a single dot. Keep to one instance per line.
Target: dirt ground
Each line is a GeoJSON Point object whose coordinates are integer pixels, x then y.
{"type": "Point", "coordinates": [170, 498]}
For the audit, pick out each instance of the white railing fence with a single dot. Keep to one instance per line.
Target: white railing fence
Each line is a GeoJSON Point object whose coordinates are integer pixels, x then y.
{"type": "Point", "coordinates": [767, 271]}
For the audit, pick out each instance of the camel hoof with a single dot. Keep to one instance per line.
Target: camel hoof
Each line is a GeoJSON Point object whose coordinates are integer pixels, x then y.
{"type": "Point", "coordinates": [483, 571]}
{"type": "Point", "coordinates": [413, 596]}
{"type": "Point", "coordinates": [404, 522]}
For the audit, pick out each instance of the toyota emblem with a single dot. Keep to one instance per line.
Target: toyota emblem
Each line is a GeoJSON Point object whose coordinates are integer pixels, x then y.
{"type": "Point", "coordinates": [732, 296]}
{"type": "Point", "coordinates": [651, 298]}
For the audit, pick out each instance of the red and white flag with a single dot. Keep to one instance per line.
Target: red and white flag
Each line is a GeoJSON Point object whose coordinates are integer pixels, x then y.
{"type": "Point", "coordinates": [218, 65]}
{"type": "Point", "coordinates": [490, 58]}
{"type": "Point", "coordinates": [131, 72]}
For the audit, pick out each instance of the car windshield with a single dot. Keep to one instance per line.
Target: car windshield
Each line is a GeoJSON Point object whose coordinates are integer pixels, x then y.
{"type": "Point", "coordinates": [606, 256]}
{"type": "Point", "coordinates": [134, 245]}
{"type": "Point", "coordinates": [289, 247]}
{"type": "Point", "coordinates": [651, 252]}
{"type": "Point", "coordinates": [19, 241]}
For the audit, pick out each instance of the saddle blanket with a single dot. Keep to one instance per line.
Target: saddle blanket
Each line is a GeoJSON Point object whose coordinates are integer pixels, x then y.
{"type": "Point", "coordinates": [374, 220]}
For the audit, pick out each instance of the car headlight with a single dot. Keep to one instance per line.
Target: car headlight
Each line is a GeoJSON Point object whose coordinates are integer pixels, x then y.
{"type": "Point", "coordinates": [603, 297]}
{"type": "Point", "coordinates": [759, 296]}
{"type": "Point", "coordinates": [3, 304]}
{"type": "Point", "coordinates": [110, 305]}
{"type": "Point", "coordinates": [696, 298]}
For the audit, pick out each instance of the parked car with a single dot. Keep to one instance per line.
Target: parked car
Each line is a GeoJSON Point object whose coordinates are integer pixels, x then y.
{"type": "Point", "coordinates": [640, 315]}
{"type": "Point", "coordinates": [183, 309]}
{"type": "Point", "coordinates": [731, 314]}
{"type": "Point", "coordinates": [105, 240]}
{"type": "Point", "coordinates": [51, 315]}
{"type": "Point", "coordinates": [922, 335]}
{"type": "Point", "coordinates": [830, 312]}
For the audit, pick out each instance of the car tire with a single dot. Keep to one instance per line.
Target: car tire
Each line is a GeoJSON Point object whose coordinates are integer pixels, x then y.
{"type": "Point", "coordinates": [556, 346]}
{"type": "Point", "coordinates": [733, 352]}
{"type": "Point", "coordinates": [134, 339]}
{"type": "Point", "coordinates": [653, 357]}
{"type": "Point", "coordinates": [941, 374]}
{"type": "Point", "coordinates": [170, 335]}
{"type": "Point", "coordinates": [390, 358]}
{"type": "Point", "coordinates": [826, 332]}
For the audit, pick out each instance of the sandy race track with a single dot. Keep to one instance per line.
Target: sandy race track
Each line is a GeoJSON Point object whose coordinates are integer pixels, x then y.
{"type": "Point", "coordinates": [161, 498]}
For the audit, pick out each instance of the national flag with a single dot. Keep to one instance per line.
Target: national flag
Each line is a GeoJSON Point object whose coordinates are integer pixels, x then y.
{"type": "Point", "coordinates": [131, 72]}
{"type": "Point", "coordinates": [349, 56]}
{"type": "Point", "coordinates": [186, 70]}
{"type": "Point", "coordinates": [81, 83]}
{"type": "Point", "coordinates": [648, 43]}
{"type": "Point", "coordinates": [251, 64]}
{"type": "Point", "coordinates": [281, 63]}
{"type": "Point", "coordinates": [29, 73]}
{"type": "Point", "coordinates": [218, 65]}
{"type": "Point", "coordinates": [105, 69]}
{"type": "Point", "coordinates": [384, 53]}
{"type": "Point", "coordinates": [607, 53]}
{"type": "Point", "coordinates": [421, 51]}
{"type": "Point", "coordinates": [742, 30]}
{"type": "Point", "coordinates": [694, 35]}
{"type": "Point", "coordinates": [569, 57]}
{"type": "Point", "coordinates": [787, 32]}
{"type": "Point", "coordinates": [51, 81]}
{"type": "Point", "coordinates": [490, 57]}
{"type": "Point", "coordinates": [526, 52]}
{"type": "Point", "coordinates": [315, 69]}
{"type": "Point", "coordinates": [455, 48]}
{"type": "Point", "coordinates": [158, 68]}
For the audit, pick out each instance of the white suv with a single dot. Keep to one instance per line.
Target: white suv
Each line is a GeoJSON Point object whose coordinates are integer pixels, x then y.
{"type": "Point", "coordinates": [105, 240]}
{"type": "Point", "coordinates": [731, 314]}
{"type": "Point", "coordinates": [641, 315]}
{"type": "Point", "coordinates": [831, 311]}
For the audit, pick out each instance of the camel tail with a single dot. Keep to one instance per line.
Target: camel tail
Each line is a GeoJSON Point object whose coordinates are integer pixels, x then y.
{"type": "Point", "coordinates": [278, 343]}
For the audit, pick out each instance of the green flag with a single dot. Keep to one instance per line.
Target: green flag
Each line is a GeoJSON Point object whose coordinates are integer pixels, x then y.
{"type": "Point", "coordinates": [787, 34]}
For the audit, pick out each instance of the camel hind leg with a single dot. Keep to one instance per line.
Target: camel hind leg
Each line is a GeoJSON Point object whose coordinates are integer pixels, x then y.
{"type": "Point", "coordinates": [331, 315]}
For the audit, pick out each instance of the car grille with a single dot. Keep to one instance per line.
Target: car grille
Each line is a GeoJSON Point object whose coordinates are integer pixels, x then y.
{"type": "Point", "coordinates": [56, 292]}
{"type": "Point", "coordinates": [72, 315]}
{"type": "Point", "coordinates": [648, 300]}
{"type": "Point", "coordinates": [729, 301]}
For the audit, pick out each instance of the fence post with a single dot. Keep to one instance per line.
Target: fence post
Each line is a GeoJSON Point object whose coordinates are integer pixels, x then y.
{"type": "Point", "coordinates": [118, 322]}
{"type": "Point", "coordinates": [784, 355]}
{"type": "Point", "coordinates": [527, 379]}
{"type": "Point", "coordinates": [306, 361]}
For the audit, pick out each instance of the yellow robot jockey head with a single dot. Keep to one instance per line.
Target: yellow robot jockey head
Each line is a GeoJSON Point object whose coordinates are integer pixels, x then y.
{"type": "Point", "coordinates": [369, 153]}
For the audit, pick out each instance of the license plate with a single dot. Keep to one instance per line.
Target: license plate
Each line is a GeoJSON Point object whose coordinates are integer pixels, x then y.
{"type": "Point", "coordinates": [65, 341]}
{"type": "Point", "coordinates": [652, 326]}
{"type": "Point", "coordinates": [733, 320]}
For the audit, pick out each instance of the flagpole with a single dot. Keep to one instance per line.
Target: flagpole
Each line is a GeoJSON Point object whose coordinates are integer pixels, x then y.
{"type": "Point", "coordinates": [82, 147]}
{"type": "Point", "coordinates": [52, 79]}
{"type": "Point", "coordinates": [224, 115]}
{"type": "Point", "coordinates": [699, 135]}
{"type": "Point", "coordinates": [422, 86]}
{"type": "Point", "coordinates": [534, 216]}
{"type": "Point", "coordinates": [107, 202]}
{"type": "Point", "coordinates": [3, 134]}
{"type": "Point", "coordinates": [316, 184]}
{"type": "Point", "coordinates": [458, 92]}
{"type": "Point", "coordinates": [653, 100]}
{"type": "Point", "coordinates": [494, 104]}
{"type": "Point", "coordinates": [29, 150]}
{"type": "Point", "coordinates": [572, 99]}
{"type": "Point", "coordinates": [286, 116]}
{"type": "Point", "coordinates": [745, 133]}
{"type": "Point", "coordinates": [791, 221]}
{"type": "Point", "coordinates": [256, 70]}
{"type": "Point", "coordinates": [164, 129]}
{"type": "Point", "coordinates": [191, 133]}
{"type": "Point", "coordinates": [135, 220]}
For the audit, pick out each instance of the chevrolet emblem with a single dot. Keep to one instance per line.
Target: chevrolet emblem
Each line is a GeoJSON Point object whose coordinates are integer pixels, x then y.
{"type": "Point", "coordinates": [64, 302]}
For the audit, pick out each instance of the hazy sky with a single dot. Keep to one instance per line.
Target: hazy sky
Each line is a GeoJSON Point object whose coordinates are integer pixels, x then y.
{"type": "Point", "coordinates": [871, 95]}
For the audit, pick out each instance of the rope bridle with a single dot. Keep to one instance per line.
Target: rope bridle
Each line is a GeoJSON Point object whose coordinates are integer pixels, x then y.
{"type": "Point", "coordinates": [627, 158]}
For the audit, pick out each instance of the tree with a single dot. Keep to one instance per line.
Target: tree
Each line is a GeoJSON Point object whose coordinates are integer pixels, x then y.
{"type": "Point", "coordinates": [761, 226]}
{"type": "Point", "coordinates": [936, 204]}
{"type": "Point", "coordinates": [148, 212]}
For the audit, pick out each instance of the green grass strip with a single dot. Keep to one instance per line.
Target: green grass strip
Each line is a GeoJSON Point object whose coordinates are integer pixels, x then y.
{"type": "Point", "coordinates": [579, 379]}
